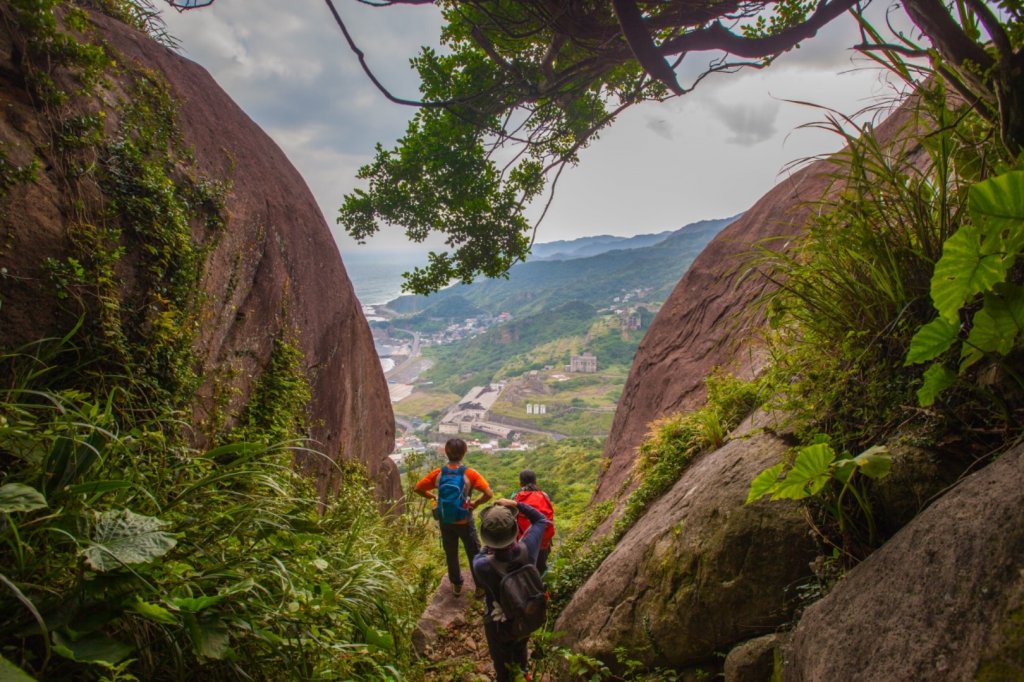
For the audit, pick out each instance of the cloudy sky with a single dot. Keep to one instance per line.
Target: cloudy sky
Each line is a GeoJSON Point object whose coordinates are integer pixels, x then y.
{"type": "Point", "coordinates": [708, 154]}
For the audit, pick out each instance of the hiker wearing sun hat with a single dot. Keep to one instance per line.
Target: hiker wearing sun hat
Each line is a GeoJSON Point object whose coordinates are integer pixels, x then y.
{"type": "Point", "coordinates": [514, 596]}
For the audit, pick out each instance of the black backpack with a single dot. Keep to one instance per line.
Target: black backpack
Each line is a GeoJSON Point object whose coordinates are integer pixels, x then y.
{"type": "Point", "coordinates": [524, 600]}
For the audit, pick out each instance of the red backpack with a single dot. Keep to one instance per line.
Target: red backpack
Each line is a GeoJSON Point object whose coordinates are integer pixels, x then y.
{"type": "Point", "coordinates": [539, 501]}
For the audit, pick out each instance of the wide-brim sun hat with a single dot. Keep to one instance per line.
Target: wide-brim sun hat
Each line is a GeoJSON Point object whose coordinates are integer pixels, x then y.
{"type": "Point", "coordinates": [498, 526]}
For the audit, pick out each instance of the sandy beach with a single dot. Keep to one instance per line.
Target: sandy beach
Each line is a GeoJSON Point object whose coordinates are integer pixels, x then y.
{"type": "Point", "coordinates": [399, 391]}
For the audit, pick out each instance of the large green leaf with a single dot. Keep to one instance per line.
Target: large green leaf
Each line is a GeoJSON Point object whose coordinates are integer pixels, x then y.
{"type": "Point", "coordinates": [209, 637]}
{"type": "Point", "coordinates": [997, 205]}
{"type": "Point", "coordinates": [18, 497]}
{"type": "Point", "coordinates": [12, 673]}
{"type": "Point", "coordinates": [966, 268]}
{"type": "Point", "coordinates": [124, 537]}
{"type": "Point", "coordinates": [93, 648]}
{"type": "Point", "coordinates": [937, 379]}
{"type": "Point", "coordinates": [196, 604]}
{"type": "Point", "coordinates": [931, 341]}
{"type": "Point", "coordinates": [810, 472]}
{"type": "Point", "coordinates": [764, 483]}
{"type": "Point", "coordinates": [875, 462]}
{"type": "Point", "coordinates": [153, 612]}
{"type": "Point", "coordinates": [999, 322]}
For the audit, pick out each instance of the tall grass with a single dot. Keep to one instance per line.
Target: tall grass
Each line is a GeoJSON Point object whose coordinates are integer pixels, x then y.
{"type": "Point", "coordinates": [853, 290]}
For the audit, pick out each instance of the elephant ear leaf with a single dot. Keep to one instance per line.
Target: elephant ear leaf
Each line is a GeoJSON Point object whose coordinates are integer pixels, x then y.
{"type": "Point", "coordinates": [931, 341]}
{"type": "Point", "coordinates": [997, 206]}
{"type": "Point", "coordinates": [764, 483]}
{"type": "Point", "coordinates": [810, 472]}
{"type": "Point", "coordinates": [12, 673]}
{"type": "Point", "coordinates": [966, 268]}
{"type": "Point", "coordinates": [979, 255]}
{"type": "Point", "coordinates": [123, 537]}
{"type": "Point", "coordinates": [936, 380]}
{"type": "Point", "coordinates": [997, 325]}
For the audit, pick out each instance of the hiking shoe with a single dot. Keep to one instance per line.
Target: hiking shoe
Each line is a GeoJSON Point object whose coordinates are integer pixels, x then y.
{"type": "Point", "coordinates": [456, 589]}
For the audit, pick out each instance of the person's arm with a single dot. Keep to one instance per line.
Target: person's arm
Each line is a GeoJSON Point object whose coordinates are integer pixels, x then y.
{"type": "Point", "coordinates": [478, 483]}
{"type": "Point", "coordinates": [483, 499]}
{"type": "Point", "coordinates": [427, 484]}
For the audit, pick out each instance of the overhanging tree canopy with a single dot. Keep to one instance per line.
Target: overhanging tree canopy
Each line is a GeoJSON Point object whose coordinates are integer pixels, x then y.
{"type": "Point", "coordinates": [526, 84]}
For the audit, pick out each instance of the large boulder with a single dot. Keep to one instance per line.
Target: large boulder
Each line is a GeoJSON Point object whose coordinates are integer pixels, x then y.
{"type": "Point", "coordinates": [701, 571]}
{"type": "Point", "coordinates": [273, 271]}
{"type": "Point", "coordinates": [942, 600]}
{"type": "Point", "coordinates": [707, 321]}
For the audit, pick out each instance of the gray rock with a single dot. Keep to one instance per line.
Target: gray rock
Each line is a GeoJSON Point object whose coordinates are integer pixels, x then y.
{"type": "Point", "coordinates": [445, 611]}
{"type": "Point", "coordinates": [942, 600]}
{"type": "Point", "coordinates": [701, 571]}
{"type": "Point", "coordinates": [752, 661]}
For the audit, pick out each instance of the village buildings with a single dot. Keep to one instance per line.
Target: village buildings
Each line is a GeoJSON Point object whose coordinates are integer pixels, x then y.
{"type": "Point", "coordinates": [586, 363]}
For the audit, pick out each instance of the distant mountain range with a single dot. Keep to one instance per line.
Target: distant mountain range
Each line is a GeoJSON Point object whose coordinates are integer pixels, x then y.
{"type": "Point", "coordinates": [593, 246]}
{"type": "Point", "coordinates": [596, 270]}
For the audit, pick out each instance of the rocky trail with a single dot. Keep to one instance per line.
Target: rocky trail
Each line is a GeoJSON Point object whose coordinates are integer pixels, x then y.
{"type": "Point", "coordinates": [450, 637]}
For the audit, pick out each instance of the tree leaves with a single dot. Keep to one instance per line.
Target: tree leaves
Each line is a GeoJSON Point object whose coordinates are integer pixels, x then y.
{"type": "Point", "coordinates": [123, 537]}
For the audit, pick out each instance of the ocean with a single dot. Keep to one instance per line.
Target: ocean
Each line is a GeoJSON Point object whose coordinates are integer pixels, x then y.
{"type": "Point", "coordinates": [377, 275]}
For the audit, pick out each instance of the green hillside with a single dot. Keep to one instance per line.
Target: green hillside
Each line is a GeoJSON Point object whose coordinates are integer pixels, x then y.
{"type": "Point", "coordinates": [534, 286]}
{"type": "Point", "coordinates": [459, 366]}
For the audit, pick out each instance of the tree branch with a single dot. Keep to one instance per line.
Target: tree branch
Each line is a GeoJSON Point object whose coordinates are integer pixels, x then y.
{"type": "Point", "coordinates": [717, 37]}
{"type": "Point", "coordinates": [631, 21]}
{"type": "Point", "coordinates": [945, 34]}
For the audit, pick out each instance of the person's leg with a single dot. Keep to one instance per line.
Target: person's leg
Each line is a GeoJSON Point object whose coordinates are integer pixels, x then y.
{"type": "Point", "coordinates": [520, 654]}
{"type": "Point", "coordinates": [501, 653]}
{"type": "Point", "coordinates": [470, 541]}
{"type": "Point", "coordinates": [542, 560]}
{"type": "Point", "coordinates": [450, 533]}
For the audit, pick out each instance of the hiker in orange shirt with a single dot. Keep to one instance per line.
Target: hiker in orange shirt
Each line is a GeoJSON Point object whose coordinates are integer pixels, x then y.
{"type": "Point", "coordinates": [454, 484]}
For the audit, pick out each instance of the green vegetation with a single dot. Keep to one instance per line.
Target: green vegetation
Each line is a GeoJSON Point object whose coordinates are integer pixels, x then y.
{"type": "Point", "coordinates": [855, 316]}
{"type": "Point", "coordinates": [543, 340]}
{"type": "Point", "coordinates": [128, 553]}
{"type": "Point", "coordinates": [566, 471]}
{"type": "Point", "coordinates": [475, 362]}
{"type": "Point", "coordinates": [276, 410]}
{"type": "Point", "coordinates": [816, 471]}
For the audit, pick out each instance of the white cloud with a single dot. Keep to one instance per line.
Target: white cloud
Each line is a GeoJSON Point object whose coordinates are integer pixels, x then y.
{"type": "Point", "coordinates": [749, 122]}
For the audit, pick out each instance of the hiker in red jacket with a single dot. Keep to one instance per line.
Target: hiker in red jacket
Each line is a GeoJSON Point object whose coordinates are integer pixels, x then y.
{"type": "Point", "coordinates": [530, 494]}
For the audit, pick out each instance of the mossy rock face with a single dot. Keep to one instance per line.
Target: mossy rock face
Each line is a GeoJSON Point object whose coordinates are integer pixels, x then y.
{"type": "Point", "coordinates": [135, 195]}
{"type": "Point", "coordinates": [701, 571]}
{"type": "Point", "coordinates": [942, 600]}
